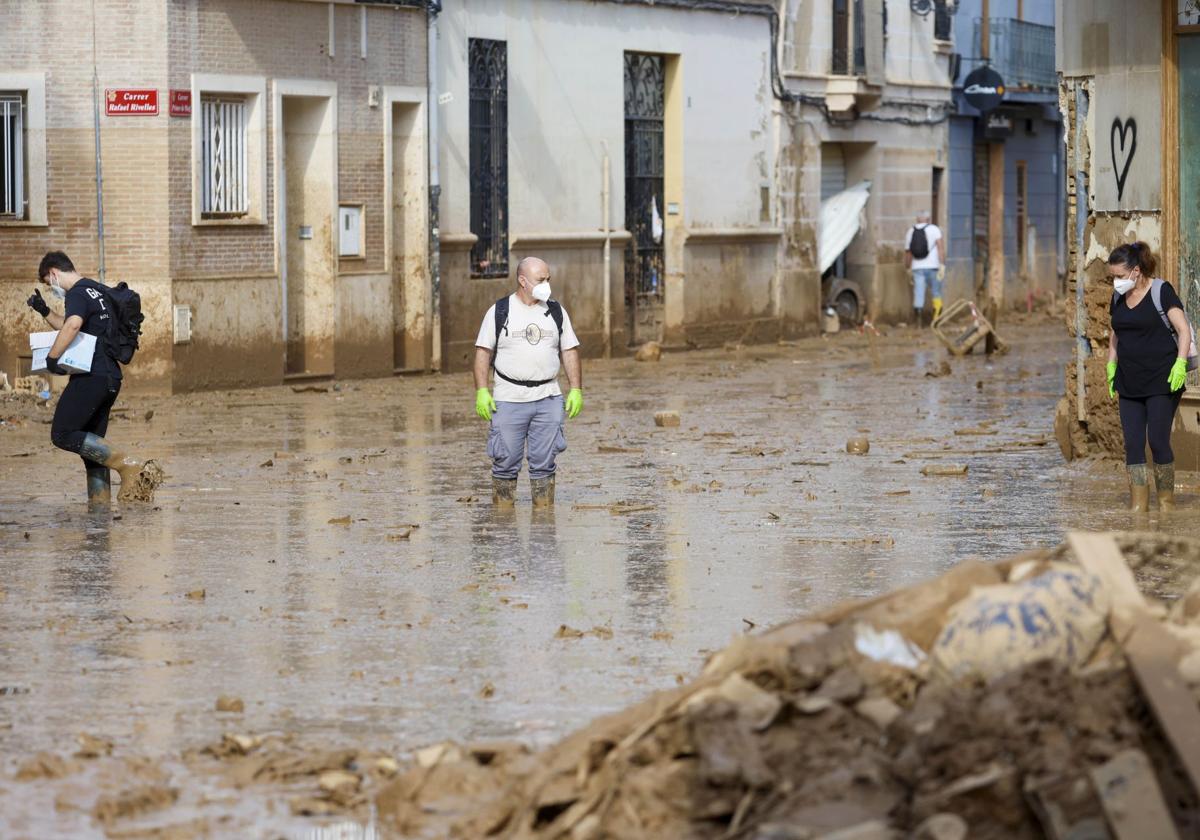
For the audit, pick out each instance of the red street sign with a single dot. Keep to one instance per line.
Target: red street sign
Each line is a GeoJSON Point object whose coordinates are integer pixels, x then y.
{"type": "Point", "coordinates": [180, 103]}
{"type": "Point", "coordinates": [123, 102]}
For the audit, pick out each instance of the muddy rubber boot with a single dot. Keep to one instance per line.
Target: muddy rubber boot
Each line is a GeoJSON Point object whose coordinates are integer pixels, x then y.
{"type": "Point", "coordinates": [1164, 484]}
{"type": "Point", "coordinates": [504, 491]}
{"type": "Point", "coordinates": [937, 310]}
{"type": "Point", "coordinates": [919, 317]}
{"type": "Point", "coordinates": [100, 451]}
{"type": "Point", "coordinates": [99, 486]}
{"type": "Point", "coordinates": [1139, 488]}
{"type": "Point", "coordinates": [542, 490]}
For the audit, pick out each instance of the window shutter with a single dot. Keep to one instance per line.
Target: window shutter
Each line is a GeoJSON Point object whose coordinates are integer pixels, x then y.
{"type": "Point", "coordinates": [873, 42]}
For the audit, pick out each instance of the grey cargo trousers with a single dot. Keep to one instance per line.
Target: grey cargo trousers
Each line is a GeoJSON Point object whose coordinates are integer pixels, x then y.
{"type": "Point", "coordinates": [538, 425]}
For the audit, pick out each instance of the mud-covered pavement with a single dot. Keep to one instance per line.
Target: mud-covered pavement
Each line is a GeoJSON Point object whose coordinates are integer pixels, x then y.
{"type": "Point", "coordinates": [331, 558]}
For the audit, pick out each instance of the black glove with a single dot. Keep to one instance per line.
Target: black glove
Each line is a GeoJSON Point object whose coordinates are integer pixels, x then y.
{"type": "Point", "coordinates": [38, 304]}
{"type": "Point", "coordinates": [52, 366]}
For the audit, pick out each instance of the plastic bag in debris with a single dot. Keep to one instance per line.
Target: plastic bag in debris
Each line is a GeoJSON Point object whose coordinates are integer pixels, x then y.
{"type": "Point", "coordinates": [888, 646]}
{"type": "Point", "coordinates": [1060, 615]}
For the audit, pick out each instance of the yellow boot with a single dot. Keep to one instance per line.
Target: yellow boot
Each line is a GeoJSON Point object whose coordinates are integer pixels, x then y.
{"type": "Point", "coordinates": [937, 309]}
{"type": "Point", "coordinates": [1164, 483]}
{"type": "Point", "coordinates": [1139, 488]}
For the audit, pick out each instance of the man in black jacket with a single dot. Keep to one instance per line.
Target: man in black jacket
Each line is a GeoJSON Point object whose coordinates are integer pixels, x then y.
{"type": "Point", "coordinates": [81, 418]}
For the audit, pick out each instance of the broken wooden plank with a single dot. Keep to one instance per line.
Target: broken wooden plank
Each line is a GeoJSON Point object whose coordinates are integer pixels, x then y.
{"type": "Point", "coordinates": [1153, 655]}
{"type": "Point", "coordinates": [1100, 555]}
{"type": "Point", "coordinates": [1131, 798]}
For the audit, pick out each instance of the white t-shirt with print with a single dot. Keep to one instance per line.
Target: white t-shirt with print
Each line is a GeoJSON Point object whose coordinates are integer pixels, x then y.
{"type": "Point", "coordinates": [529, 349]}
{"type": "Point", "coordinates": [933, 235]}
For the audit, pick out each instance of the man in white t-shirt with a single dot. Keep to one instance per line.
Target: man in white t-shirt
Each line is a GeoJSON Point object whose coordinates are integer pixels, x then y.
{"type": "Point", "coordinates": [925, 255]}
{"type": "Point", "coordinates": [522, 338]}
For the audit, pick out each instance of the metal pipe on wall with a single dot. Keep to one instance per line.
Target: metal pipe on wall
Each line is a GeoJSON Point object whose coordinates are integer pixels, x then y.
{"type": "Point", "coordinates": [435, 192]}
{"type": "Point", "coordinates": [99, 167]}
{"type": "Point", "coordinates": [1082, 347]}
{"type": "Point", "coordinates": [605, 199]}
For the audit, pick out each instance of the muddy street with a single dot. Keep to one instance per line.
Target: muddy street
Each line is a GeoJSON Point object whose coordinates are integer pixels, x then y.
{"type": "Point", "coordinates": [331, 558]}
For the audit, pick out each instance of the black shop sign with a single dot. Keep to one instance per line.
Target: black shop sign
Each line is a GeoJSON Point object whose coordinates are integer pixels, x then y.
{"type": "Point", "coordinates": [984, 88]}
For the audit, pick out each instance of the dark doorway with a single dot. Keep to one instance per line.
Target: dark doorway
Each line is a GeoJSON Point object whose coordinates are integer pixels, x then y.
{"type": "Point", "coordinates": [645, 270]}
{"type": "Point", "coordinates": [935, 202]}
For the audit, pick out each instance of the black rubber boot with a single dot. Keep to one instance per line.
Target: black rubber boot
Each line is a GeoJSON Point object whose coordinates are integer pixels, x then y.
{"type": "Point", "coordinates": [99, 485]}
{"type": "Point", "coordinates": [100, 451]}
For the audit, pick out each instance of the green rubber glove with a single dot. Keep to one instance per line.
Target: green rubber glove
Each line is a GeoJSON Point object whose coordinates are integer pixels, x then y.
{"type": "Point", "coordinates": [1178, 374]}
{"type": "Point", "coordinates": [1112, 375]}
{"type": "Point", "coordinates": [574, 403]}
{"type": "Point", "coordinates": [485, 406]}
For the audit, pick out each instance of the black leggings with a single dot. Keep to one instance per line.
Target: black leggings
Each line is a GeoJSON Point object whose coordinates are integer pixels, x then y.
{"type": "Point", "coordinates": [82, 409]}
{"type": "Point", "coordinates": [1153, 417]}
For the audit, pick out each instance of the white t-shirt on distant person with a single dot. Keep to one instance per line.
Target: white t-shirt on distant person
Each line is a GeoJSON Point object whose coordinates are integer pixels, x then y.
{"type": "Point", "coordinates": [933, 235]}
{"type": "Point", "coordinates": [529, 349]}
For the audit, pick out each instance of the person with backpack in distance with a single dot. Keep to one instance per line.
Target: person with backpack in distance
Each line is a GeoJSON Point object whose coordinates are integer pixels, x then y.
{"type": "Point", "coordinates": [522, 338]}
{"type": "Point", "coordinates": [81, 417]}
{"type": "Point", "coordinates": [1150, 351]}
{"type": "Point", "coordinates": [925, 256]}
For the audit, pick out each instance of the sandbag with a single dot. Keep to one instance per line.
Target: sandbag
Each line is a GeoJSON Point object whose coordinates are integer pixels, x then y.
{"type": "Point", "coordinates": [1059, 614]}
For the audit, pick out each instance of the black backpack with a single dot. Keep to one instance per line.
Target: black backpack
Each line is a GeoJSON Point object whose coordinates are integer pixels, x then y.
{"type": "Point", "coordinates": [919, 245]}
{"type": "Point", "coordinates": [556, 312]}
{"type": "Point", "coordinates": [126, 324]}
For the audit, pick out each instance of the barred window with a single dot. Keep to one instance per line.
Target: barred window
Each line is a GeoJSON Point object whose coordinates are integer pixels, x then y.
{"type": "Point", "coordinates": [12, 155]}
{"type": "Point", "coordinates": [224, 185]}
{"type": "Point", "coordinates": [488, 129]}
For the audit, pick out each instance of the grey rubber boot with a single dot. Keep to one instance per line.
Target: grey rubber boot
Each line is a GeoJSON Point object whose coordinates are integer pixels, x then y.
{"type": "Point", "coordinates": [99, 485]}
{"type": "Point", "coordinates": [1164, 483]}
{"type": "Point", "coordinates": [1139, 488]}
{"type": "Point", "coordinates": [97, 449]}
{"type": "Point", "coordinates": [504, 491]}
{"type": "Point", "coordinates": [542, 490]}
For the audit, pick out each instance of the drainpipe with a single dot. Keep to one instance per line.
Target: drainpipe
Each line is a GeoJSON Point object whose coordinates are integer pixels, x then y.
{"type": "Point", "coordinates": [605, 198]}
{"type": "Point", "coordinates": [96, 130]}
{"type": "Point", "coordinates": [435, 191]}
{"type": "Point", "coordinates": [1082, 347]}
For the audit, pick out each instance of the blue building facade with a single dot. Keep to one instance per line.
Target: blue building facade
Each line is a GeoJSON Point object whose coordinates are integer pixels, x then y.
{"type": "Point", "coordinates": [1017, 41]}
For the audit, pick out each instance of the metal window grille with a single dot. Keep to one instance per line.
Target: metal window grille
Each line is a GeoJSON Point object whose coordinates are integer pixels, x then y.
{"type": "Point", "coordinates": [841, 38]}
{"type": "Point", "coordinates": [488, 78]}
{"type": "Point", "coordinates": [943, 21]}
{"type": "Point", "coordinates": [1021, 52]}
{"type": "Point", "coordinates": [223, 158]}
{"type": "Point", "coordinates": [645, 156]}
{"type": "Point", "coordinates": [12, 155]}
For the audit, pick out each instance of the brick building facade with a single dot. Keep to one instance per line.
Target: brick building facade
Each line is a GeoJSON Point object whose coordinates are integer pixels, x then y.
{"type": "Point", "coordinates": [279, 229]}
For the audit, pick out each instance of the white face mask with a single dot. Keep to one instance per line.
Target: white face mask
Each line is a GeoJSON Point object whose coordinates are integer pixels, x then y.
{"type": "Point", "coordinates": [1121, 286]}
{"type": "Point", "coordinates": [541, 292]}
{"type": "Point", "coordinates": [57, 290]}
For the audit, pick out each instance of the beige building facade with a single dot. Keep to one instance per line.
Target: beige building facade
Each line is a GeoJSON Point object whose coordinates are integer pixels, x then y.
{"type": "Point", "coordinates": [642, 130]}
{"type": "Point", "coordinates": [264, 181]}
{"type": "Point", "coordinates": [871, 91]}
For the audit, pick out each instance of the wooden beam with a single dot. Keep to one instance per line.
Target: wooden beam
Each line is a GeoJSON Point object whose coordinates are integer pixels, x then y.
{"type": "Point", "coordinates": [1132, 799]}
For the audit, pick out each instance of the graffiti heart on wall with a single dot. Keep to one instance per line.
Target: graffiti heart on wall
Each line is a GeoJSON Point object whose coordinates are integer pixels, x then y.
{"type": "Point", "coordinates": [1122, 155]}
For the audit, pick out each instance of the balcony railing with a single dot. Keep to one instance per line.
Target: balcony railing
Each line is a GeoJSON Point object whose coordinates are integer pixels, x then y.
{"type": "Point", "coordinates": [1021, 52]}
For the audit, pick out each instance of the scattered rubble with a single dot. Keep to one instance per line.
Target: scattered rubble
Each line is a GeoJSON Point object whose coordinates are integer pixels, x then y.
{"type": "Point", "coordinates": [797, 733]}
{"type": "Point", "coordinates": [651, 351]}
{"type": "Point", "coordinates": [666, 419]}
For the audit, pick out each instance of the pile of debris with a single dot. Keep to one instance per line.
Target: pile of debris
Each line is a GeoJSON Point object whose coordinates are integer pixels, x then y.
{"type": "Point", "coordinates": [1044, 696]}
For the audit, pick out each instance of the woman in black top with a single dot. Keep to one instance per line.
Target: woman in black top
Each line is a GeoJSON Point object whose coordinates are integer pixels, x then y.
{"type": "Point", "coordinates": [1147, 367]}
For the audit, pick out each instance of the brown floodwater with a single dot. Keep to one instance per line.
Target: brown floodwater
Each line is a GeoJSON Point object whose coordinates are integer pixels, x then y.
{"type": "Point", "coordinates": [332, 558]}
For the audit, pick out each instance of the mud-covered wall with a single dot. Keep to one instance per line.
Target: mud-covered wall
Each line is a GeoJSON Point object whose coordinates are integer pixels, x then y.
{"type": "Point", "coordinates": [730, 288]}
{"type": "Point", "coordinates": [273, 40]}
{"type": "Point", "coordinates": [575, 271]}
